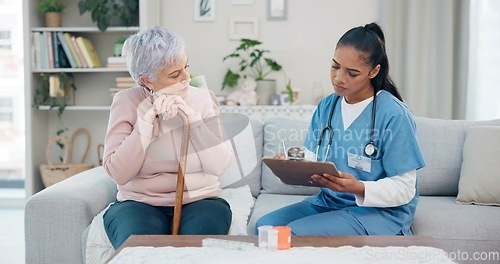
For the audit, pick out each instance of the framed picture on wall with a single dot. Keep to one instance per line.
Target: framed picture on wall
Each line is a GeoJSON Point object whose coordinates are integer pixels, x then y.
{"type": "Point", "coordinates": [204, 10]}
{"type": "Point", "coordinates": [243, 27]}
{"type": "Point", "coordinates": [277, 9]}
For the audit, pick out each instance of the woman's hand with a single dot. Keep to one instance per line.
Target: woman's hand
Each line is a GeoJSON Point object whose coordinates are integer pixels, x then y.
{"type": "Point", "coordinates": [182, 106]}
{"type": "Point", "coordinates": [345, 182]}
{"type": "Point", "coordinates": [166, 106]}
{"type": "Point", "coordinates": [169, 106]}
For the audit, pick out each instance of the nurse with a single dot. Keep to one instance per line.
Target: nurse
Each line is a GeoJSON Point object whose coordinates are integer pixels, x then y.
{"type": "Point", "coordinates": [367, 131]}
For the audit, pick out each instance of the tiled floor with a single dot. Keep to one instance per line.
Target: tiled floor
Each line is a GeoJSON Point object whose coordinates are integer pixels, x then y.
{"type": "Point", "coordinates": [11, 227]}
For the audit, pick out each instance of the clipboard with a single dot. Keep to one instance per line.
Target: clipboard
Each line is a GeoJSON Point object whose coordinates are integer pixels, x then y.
{"type": "Point", "coordinates": [296, 172]}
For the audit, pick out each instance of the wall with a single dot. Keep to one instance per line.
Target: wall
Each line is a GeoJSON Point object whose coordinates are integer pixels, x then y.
{"type": "Point", "coordinates": [303, 44]}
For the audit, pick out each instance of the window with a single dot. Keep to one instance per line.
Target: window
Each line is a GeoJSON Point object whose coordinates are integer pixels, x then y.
{"type": "Point", "coordinates": [5, 40]}
{"type": "Point", "coordinates": [484, 78]}
{"type": "Point", "coordinates": [6, 110]}
{"type": "Point", "coordinates": [9, 62]}
{"type": "Point", "coordinates": [12, 156]}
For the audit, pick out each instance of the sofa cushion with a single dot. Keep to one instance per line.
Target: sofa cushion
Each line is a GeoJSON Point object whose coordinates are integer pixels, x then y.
{"type": "Point", "coordinates": [293, 132]}
{"type": "Point", "coordinates": [267, 203]}
{"type": "Point", "coordinates": [442, 218]}
{"type": "Point", "coordinates": [247, 140]}
{"type": "Point", "coordinates": [480, 176]}
{"type": "Point", "coordinates": [441, 142]}
{"type": "Point", "coordinates": [241, 202]}
{"type": "Point", "coordinates": [494, 122]}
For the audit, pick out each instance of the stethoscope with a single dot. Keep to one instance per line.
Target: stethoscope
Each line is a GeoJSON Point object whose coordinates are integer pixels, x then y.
{"type": "Point", "coordinates": [370, 149]}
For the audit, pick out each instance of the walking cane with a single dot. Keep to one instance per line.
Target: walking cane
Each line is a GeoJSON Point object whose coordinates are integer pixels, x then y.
{"type": "Point", "coordinates": [179, 192]}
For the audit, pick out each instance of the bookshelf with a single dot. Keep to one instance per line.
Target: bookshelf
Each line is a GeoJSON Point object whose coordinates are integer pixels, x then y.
{"type": "Point", "coordinates": [92, 97]}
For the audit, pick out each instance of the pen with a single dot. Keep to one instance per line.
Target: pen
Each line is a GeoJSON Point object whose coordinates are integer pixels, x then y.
{"type": "Point", "coordinates": [284, 149]}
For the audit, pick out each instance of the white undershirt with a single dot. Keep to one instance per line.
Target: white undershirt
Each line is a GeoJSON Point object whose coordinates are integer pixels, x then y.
{"type": "Point", "coordinates": [352, 111]}
{"type": "Point", "coordinates": [386, 192]}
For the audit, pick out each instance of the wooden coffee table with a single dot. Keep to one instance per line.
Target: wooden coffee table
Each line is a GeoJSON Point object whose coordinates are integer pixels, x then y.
{"type": "Point", "coordinates": [297, 241]}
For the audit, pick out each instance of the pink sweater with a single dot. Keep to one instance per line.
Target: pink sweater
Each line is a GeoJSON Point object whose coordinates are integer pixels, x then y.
{"type": "Point", "coordinates": [143, 160]}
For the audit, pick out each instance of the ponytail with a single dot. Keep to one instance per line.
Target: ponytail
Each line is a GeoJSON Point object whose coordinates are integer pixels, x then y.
{"type": "Point", "coordinates": [370, 39]}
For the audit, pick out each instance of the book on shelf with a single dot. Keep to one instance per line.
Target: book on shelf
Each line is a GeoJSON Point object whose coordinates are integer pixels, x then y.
{"type": "Point", "coordinates": [71, 47]}
{"type": "Point", "coordinates": [122, 83]}
{"type": "Point", "coordinates": [117, 66]}
{"type": "Point", "coordinates": [36, 51]}
{"type": "Point", "coordinates": [116, 60]}
{"type": "Point", "coordinates": [44, 61]}
{"type": "Point", "coordinates": [125, 84]}
{"type": "Point", "coordinates": [79, 52]}
{"type": "Point", "coordinates": [124, 79]}
{"type": "Point", "coordinates": [55, 50]}
{"type": "Point", "coordinates": [50, 49]}
{"type": "Point", "coordinates": [67, 50]}
{"type": "Point", "coordinates": [88, 51]}
{"type": "Point", "coordinates": [59, 54]}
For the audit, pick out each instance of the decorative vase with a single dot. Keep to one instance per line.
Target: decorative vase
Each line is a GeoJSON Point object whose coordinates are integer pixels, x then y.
{"type": "Point", "coordinates": [53, 19]}
{"type": "Point", "coordinates": [117, 51]}
{"type": "Point", "coordinates": [59, 94]}
{"type": "Point", "coordinates": [265, 90]}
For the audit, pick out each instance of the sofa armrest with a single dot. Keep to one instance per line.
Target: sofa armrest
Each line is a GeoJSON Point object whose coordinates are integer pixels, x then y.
{"type": "Point", "coordinates": [56, 216]}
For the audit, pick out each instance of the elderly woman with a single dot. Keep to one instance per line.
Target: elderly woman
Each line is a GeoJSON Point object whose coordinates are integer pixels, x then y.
{"type": "Point", "coordinates": [142, 145]}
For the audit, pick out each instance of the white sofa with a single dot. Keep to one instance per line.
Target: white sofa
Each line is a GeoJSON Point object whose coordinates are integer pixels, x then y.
{"type": "Point", "coordinates": [57, 219]}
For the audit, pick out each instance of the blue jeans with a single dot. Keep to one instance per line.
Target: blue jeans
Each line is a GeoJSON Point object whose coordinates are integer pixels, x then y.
{"type": "Point", "coordinates": [210, 216]}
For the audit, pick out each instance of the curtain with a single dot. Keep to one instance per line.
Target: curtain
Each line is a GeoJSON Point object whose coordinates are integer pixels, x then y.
{"type": "Point", "coordinates": [484, 80]}
{"type": "Point", "coordinates": [427, 45]}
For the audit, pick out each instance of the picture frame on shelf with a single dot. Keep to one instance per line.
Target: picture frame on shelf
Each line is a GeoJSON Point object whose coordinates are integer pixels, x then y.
{"type": "Point", "coordinates": [243, 28]}
{"type": "Point", "coordinates": [277, 10]}
{"type": "Point", "coordinates": [204, 10]}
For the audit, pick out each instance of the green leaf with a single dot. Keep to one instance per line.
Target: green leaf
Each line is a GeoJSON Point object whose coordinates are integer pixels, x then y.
{"type": "Point", "coordinates": [273, 64]}
{"type": "Point", "coordinates": [250, 42]}
{"type": "Point", "coordinates": [51, 6]}
{"type": "Point", "coordinates": [103, 23]}
{"type": "Point", "coordinates": [232, 55]}
{"type": "Point", "coordinates": [230, 79]}
{"type": "Point", "coordinates": [290, 90]}
{"type": "Point", "coordinates": [252, 60]}
{"type": "Point", "coordinates": [103, 12]}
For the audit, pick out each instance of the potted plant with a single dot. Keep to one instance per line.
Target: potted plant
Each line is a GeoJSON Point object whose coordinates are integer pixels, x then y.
{"type": "Point", "coordinates": [57, 91]}
{"type": "Point", "coordinates": [119, 46]}
{"type": "Point", "coordinates": [52, 10]}
{"type": "Point", "coordinates": [111, 12]}
{"type": "Point", "coordinates": [253, 63]}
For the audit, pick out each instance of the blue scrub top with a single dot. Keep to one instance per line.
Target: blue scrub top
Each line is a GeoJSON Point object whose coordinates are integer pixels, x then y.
{"type": "Point", "coordinates": [398, 152]}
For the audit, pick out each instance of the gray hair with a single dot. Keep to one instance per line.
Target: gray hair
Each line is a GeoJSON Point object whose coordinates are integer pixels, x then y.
{"type": "Point", "coordinates": [151, 50]}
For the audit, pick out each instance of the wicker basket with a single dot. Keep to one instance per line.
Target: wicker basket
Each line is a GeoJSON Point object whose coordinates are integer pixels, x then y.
{"type": "Point", "coordinates": [54, 173]}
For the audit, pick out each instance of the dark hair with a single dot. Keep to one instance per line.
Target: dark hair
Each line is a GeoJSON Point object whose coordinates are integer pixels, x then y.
{"type": "Point", "coordinates": [370, 40]}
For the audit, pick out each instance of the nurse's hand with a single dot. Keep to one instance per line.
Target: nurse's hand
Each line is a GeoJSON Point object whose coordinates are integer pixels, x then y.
{"type": "Point", "coordinates": [280, 156]}
{"type": "Point", "coordinates": [343, 183]}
